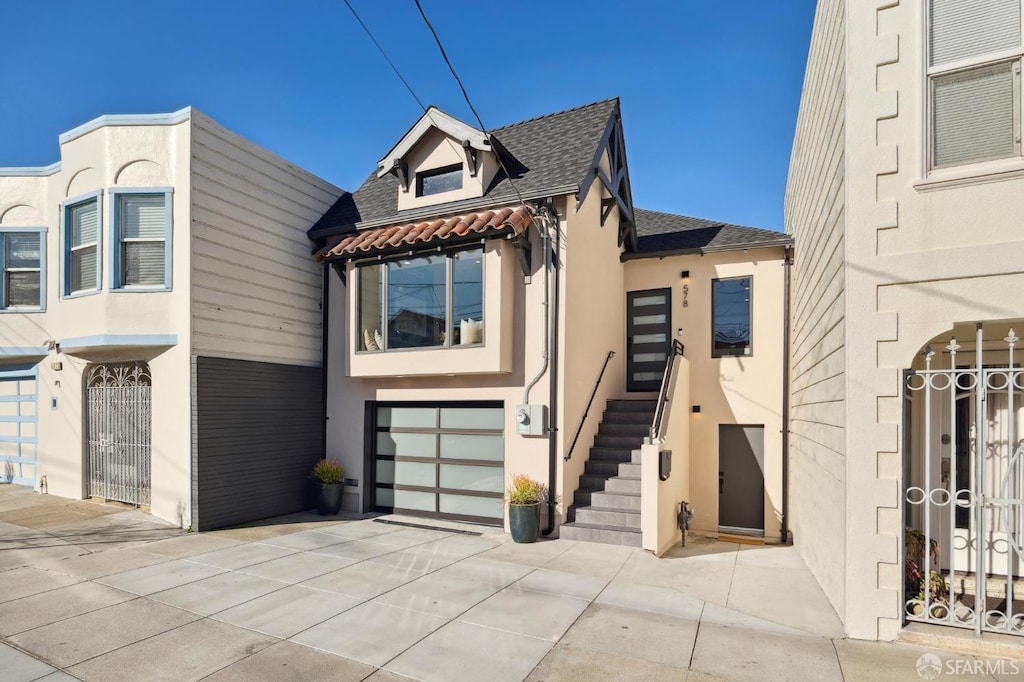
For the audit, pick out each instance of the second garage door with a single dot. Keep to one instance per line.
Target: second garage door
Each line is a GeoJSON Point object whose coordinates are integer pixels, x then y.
{"type": "Point", "coordinates": [441, 460]}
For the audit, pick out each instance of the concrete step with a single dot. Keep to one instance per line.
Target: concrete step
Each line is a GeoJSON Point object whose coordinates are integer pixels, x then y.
{"type": "Point", "coordinates": [622, 484]}
{"type": "Point", "coordinates": [584, 532]}
{"type": "Point", "coordinates": [603, 468]}
{"type": "Point", "coordinates": [627, 441]}
{"type": "Point", "coordinates": [628, 418]}
{"type": "Point", "coordinates": [632, 406]}
{"type": "Point", "coordinates": [592, 482]}
{"type": "Point", "coordinates": [612, 518]}
{"type": "Point", "coordinates": [626, 429]}
{"type": "Point", "coordinates": [630, 470]}
{"type": "Point", "coordinates": [582, 498]}
{"type": "Point", "coordinates": [611, 454]}
{"type": "Point", "coordinates": [629, 502]}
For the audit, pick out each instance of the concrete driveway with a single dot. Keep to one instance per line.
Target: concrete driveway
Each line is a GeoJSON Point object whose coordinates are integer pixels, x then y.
{"type": "Point", "coordinates": [98, 593]}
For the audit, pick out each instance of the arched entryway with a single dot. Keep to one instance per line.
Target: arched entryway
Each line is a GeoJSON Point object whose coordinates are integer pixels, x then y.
{"type": "Point", "coordinates": [118, 431]}
{"type": "Point", "coordinates": [963, 489]}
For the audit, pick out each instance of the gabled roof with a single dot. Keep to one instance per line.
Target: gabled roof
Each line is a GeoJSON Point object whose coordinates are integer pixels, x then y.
{"type": "Point", "coordinates": [433, 118]}
{"type": "Point", "coordinates": [662, 234]}
{"type": "Point", "coordinates": [546, 156]}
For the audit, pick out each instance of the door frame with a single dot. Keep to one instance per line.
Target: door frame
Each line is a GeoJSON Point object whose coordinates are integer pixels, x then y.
{"type": "Point", "coordinates": [742, 530]}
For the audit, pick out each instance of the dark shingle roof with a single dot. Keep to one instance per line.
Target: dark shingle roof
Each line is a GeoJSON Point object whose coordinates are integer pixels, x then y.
{"type": "Point", "coordinates": [549, 154]}
{"type": "Point", "coordinates": [664, 233]}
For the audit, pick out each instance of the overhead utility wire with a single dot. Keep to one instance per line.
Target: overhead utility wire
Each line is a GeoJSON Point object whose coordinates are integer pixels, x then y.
{"type": "Point", "coordinates": [465, 94]}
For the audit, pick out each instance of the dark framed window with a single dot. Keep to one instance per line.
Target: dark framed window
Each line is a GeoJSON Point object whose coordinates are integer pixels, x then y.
{"type": "Point", "coordinates": [439, 180]}
{"type": "Point", "coordinates": [433, 301]}
{"type": "Point", "coordinates": [730, 317]}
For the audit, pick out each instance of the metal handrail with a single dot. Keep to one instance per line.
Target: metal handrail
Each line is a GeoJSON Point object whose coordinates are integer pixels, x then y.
{"type": "Point", "coordinates": [593, 393]}
{"type": "Point", "coordinates": [659, 413]}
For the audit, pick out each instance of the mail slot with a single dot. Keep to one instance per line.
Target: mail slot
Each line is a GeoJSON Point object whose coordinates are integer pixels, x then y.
{"type": "Point", "coordinates": [664, 464]}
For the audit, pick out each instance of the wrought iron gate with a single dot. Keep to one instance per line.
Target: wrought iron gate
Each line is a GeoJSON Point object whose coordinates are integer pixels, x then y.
{"type": "Point", "coordinates": [118, 427]}
{"type": "Point", "coordinates": [964, 491]}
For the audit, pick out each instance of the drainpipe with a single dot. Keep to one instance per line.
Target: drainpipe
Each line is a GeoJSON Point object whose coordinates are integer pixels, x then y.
{"type": "Point", "coordinates": [551, 261]}
{"type": "Point", "coordinates": [787, 264]}
{"type": "Point", "coordinates": [324, 327]}
{"type": "Point", "coordinates": [545, 305]}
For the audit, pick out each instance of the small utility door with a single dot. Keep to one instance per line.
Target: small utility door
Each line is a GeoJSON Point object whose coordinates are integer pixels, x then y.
{"type": "Point", "coordinates": [648, 326]}
{"type": "Point", "coordinates": [741, 478]}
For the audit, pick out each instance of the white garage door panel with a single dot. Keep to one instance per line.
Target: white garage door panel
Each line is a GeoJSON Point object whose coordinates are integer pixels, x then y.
{"type": "Point", "coordinates": [18, 430]}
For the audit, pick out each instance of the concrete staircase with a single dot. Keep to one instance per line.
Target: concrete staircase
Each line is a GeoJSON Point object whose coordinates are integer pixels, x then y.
{"type": "Point", "coordinates": [606, 506]}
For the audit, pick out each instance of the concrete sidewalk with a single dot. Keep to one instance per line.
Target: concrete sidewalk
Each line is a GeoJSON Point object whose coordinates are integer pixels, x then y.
{"type": "Point", "coordinates": [302, 598]}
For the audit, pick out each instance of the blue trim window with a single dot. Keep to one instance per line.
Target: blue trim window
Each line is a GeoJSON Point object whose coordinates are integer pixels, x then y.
{"type": "Point", "coordinates": [23, 266]}
{"type": "Point", "coordinates": [82, 247]}
{"type": "Point", "coordinates": [141, 240]}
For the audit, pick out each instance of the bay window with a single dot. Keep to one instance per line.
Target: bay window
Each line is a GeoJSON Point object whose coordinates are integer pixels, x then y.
{"type": "Point", "coordinates": [974, 93]}
{"type": "Point", "coordinates": [141, 230]}
{"type": "Point", "coordinates": [82, 247]}
{"type": "Point", "coordinates": [21, 261]}
{"type": "Point", "coordinates": [433, 301]}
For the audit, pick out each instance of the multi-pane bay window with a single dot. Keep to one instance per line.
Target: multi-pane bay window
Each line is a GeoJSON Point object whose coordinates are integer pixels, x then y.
{"type": "Point", "coordinates": [730, 306]}
{"type": "Point", "coordinates": [974, 63]}
{"type": "Point", "coordinates": [140, 232]}
{"type": "Point", "coordinates": [82, 247]}
{"type": "Point", "coordinates": [21, 258]}
{"type": "Point", "coordinates": [433, 301]}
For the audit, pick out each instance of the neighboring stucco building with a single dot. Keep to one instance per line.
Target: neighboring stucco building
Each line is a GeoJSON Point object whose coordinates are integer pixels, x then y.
{"type": "Point", "coordinates": [160, 321]}
{"type": "Point", "coordinates": [904, 196]}
{"type": "Point", "coordinates": [480, 326]}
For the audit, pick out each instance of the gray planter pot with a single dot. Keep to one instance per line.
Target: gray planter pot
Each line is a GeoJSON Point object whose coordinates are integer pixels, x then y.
{"type": "Point", "coordinates": [524, 521]}
{"type": "Point", "coordinates": [329, 502]}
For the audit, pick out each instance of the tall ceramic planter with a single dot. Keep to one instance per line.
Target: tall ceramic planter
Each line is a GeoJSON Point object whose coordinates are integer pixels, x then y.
{"type": "Point", "coordinates": [329, 502]}
{"type": "Point", "coordinates": [524, 521]}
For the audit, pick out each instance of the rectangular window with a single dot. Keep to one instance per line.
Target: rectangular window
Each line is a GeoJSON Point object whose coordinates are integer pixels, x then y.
{"type": "Point", "coordinates": [433, 301]}
{"type": "Point", "coordinates": [21, 260]}
{"type": "Point", "coordinates": [730, 306]}
{"type": "Point", "coordinates": [82, 247]}
{"type": "Point", "coordinates": [974, 92]}
{"type": "Point", "coordinates": [140, 230]}
{"type": "Point", "coordinates": [445, 179]}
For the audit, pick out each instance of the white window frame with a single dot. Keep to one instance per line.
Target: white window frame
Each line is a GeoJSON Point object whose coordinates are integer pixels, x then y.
{"type": "Point", "coordinates": [981, 170]}
{"type": "Point", "coordinates": [41, 270]}
{"type": "Point", "coordinates": [117, 284]}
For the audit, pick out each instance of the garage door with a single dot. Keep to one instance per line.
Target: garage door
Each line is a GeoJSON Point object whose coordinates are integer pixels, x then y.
{"type": "Point", "coordinates": [18, 424]}
{"type": "Point", "coordinates": [440, 460]}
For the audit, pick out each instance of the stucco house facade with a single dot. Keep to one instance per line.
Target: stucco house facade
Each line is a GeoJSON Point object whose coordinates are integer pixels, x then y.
{"type": "Point", "coordinates": [160, 321]}
{"type": "Point", "coordinates": [496, 306]}
{"type": "Point", "coordinates": [904, 195]}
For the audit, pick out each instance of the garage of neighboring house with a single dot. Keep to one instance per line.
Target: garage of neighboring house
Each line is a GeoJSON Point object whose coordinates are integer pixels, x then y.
{"type": "Point", "coordinates": [438, 460]}
{"type": "Point", "coordinates": [18, 423]}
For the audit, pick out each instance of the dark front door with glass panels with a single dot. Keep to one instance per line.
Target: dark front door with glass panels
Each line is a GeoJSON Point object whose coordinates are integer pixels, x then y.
{"type": "Point", "coordinates": [648, 327]}
{"type": "Point", "coordinates": [441, 460]}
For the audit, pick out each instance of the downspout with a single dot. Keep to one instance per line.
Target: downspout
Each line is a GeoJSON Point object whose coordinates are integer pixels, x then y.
{"type": "Point", "coordinates": [551, 261]}
{"type": "Point", "coordinates": [545, 305]}
{"type": "Point", "coordinates": [324, 329]}
{"type": "Point", "coordinates": [787, 264]}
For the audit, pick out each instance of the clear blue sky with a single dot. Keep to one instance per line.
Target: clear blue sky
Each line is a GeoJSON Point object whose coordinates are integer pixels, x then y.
{"type": "Point", "coordinates": [709, 89]}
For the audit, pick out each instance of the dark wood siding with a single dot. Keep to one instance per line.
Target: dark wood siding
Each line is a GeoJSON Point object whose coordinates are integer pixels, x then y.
{"type": "Point", "coordinates": [259, 431]}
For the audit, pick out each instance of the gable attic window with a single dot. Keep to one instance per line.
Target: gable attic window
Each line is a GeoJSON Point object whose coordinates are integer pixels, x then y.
{"type": "Point", "coordinates": [447, 179]}
{"type": "Point", "coordinates": [433, 301]}
{"type": "Point", "coordinates": [974, 93]}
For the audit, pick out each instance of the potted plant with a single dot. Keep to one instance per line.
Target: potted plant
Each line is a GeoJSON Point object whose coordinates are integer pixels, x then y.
{"type": "Point", "coordinates": [525, 496]}
{"type": "Point", "coordinates": [937, 589]}
{"type": "Point", "coordinates": [328, 473]}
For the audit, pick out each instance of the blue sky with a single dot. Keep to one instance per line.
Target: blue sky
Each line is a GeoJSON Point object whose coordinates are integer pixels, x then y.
{"type": "Point", "coordinates": [709, 90]}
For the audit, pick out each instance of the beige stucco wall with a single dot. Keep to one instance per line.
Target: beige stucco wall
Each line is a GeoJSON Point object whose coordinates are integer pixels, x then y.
{"type": "Point", "coordinates": [99, 160]}
{"type": "Point", "coordinates": [815, 216]}
{"type": "Point", "coordinates": [732, 390]}
{"type": "Point", "coordinates": [438, 150]}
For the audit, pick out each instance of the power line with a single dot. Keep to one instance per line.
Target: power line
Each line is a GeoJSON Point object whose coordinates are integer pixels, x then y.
{"type": "Point", "coordinates": [385, 55]}
{"type": "Point", "coordinates": [465, 94]}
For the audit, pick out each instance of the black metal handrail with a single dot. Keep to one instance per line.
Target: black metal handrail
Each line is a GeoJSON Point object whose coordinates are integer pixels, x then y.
{"type": "Point", "coordinates": [611, 354]}
{"type": "Point", "coordinates": [659, 413]}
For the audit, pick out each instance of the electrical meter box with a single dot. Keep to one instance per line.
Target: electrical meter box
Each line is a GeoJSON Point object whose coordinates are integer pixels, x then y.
{"type": "Point", "coordinates": [531, 420]}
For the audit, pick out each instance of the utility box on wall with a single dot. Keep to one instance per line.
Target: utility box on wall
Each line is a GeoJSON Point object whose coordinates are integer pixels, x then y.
{"type": "Point", "coordinates": [531, 420]}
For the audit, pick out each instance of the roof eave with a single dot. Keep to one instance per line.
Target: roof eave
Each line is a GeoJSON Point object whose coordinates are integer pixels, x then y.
{"type": "Point", "coordinates": [701, 250]}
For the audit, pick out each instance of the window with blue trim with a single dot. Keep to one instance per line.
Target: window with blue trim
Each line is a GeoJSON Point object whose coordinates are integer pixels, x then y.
{"type": "Point", "coordinates": [141, 241]}
{"type": "Point", "coordinates": [21, 259]}
{"type": "Point", "coordinates": [82, 247]}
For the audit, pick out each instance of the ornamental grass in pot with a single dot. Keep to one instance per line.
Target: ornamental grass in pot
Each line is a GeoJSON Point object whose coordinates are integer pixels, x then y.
{"type": "Point", "coordinates": [525, 497]}
{"type": "Point", "coordinates": [328, 473]}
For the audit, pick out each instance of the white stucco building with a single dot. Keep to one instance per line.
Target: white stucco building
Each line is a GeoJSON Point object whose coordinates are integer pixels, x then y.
{"type": "Point", "coordinates": [905, 198]}
{"type": "Point", "coordinates": [160, 320]}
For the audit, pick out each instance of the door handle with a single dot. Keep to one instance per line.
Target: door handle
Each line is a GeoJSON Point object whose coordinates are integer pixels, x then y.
{"type": "Point", "coordinates": [721, 482]}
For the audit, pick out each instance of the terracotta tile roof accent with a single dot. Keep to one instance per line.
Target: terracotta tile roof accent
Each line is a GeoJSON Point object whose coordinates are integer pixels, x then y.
{"type": "Point", "coordinates": [392, 237]}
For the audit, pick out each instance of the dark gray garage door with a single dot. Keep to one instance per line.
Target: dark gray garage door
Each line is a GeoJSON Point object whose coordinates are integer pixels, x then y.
{"type": "Point", "coordinates": [259, 431]}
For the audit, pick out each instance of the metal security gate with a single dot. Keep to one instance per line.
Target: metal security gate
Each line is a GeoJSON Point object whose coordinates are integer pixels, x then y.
{"type": "Point", "coordinates": [964, 492]}
{"type": "Point", "coordinates": [118, 401]}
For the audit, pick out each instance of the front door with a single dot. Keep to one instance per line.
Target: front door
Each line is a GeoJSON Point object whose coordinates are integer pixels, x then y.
{"type": "Point", "coordinates": [741, 479]}
{"type": "Point", "coordinates": [648, 328]}
{"type": "Point", "coordinates": [118, 399]}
